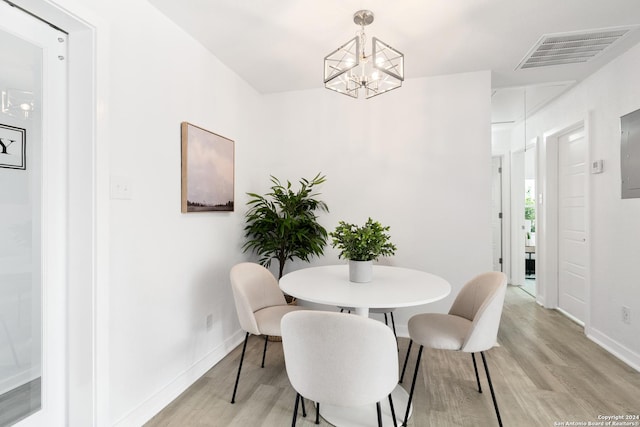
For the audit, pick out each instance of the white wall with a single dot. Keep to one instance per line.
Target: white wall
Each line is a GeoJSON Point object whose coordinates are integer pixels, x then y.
{"type": "Point", "coordinates": [417, 159]}
{"type": "Point", "coordinates": [614, 232]}
{"type": "Point", "coordinates": [168, 270]}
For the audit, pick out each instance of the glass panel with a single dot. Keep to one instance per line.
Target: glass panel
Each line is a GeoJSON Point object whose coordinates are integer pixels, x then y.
{"type": "Point", "coordinates": [20, 229]}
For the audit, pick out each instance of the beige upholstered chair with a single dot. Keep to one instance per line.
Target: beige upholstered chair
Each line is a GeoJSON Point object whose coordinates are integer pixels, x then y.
{"type": "Point", "coordinates": [260, 305]}
{"type": "Point", "coordinates": [339, 359]}
{"type": "Point", "coordinates": [471, 326]}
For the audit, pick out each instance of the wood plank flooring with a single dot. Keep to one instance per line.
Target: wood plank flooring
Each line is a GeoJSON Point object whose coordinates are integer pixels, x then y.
{"type": "Point", "coordinates": [545, 371]}
{"type": "Point", "coordinates": [20, 402]}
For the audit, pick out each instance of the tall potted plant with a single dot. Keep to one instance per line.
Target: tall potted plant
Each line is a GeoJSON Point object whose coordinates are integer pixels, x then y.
{"type": "Point", "coordinates": [361, 245]}
{"type": "Point", "coordinates": [283, 225]}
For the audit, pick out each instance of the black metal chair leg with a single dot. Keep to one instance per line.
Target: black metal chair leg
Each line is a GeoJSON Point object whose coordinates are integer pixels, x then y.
{"type": "Point", "coordinates": [406, 359]}
{"type": "Point", "coordinates": [386, 321]}
{"type": "Point", "coordinates": [475, 367]}
{"type": "Point", "coordinates": [379, 414]}
{"type": "Point", "coordinates": [264, 352]}
{"type": "Point", "coordinates": [295, 410]}
{"type": "Point", "coordinates": [393, 325]}
{"type": "Point", "coordinates": [493, 395]}
{"type": "Point", "coordinates": [317, 412]}
{"type": "Point", "coordinates": [393, 411]}
{"type": "Point", "coordinates": [235, 387]}
{"type": "Point", "coordinates": [413, 386]}
{"type": "Point", "coordinates": [304, 409]}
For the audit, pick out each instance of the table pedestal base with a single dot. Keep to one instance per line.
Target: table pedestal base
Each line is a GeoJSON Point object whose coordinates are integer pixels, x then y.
{"type": "Point", "coordinates": [364, 416]}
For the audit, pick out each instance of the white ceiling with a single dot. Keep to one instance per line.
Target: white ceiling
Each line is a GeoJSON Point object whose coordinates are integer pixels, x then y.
{"type": "Point", "coordinates": [279, 45]}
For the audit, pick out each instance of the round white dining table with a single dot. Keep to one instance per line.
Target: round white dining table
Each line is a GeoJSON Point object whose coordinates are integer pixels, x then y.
{"type": "Point", "coordinates": [391, 287]}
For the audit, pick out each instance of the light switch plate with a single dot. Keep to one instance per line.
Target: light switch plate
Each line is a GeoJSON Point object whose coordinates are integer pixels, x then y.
{"type": "Point", "coordinates": [121, 188]}
{"type": "Point", "coordinates": [597, 166]}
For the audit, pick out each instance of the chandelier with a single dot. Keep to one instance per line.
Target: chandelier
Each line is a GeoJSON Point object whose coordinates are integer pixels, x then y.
{"type": "Point", "coordinates": [348, 69]}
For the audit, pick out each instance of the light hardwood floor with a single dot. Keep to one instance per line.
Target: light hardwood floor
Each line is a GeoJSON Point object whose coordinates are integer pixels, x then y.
{"type": "Point", "coordinates": [20, 402]}
{"type": "Point", "coordinates": [544, 372]}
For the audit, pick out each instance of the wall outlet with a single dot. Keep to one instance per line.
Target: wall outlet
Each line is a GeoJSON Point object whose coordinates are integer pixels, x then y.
{"type": "Point", "coordinates": [209, 321]}
{"type": "Point", "coordinates": [626, 315]}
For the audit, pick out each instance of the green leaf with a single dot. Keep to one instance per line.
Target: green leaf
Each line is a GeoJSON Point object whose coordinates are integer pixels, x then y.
{"type": "Point", "coordinates": [362, 243]}
{"type": "Point", "coordinates": [282, 224]}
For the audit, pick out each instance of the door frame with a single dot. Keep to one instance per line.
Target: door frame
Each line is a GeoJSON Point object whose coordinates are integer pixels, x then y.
{"type": "Point", "coordinates": [517, 220]}
{"type": "Point", "coordinates": [86, 373]}
{"type": "Point", "coordinates": [500, 174]}
{"type": "Point", "coordinates": [505, 178]}
{"type": "Point", "coordinates": [548, 211]}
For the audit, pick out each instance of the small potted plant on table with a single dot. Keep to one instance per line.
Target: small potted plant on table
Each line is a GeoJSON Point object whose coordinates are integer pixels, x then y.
{"type": "Point", "coordinates": [361, 245]}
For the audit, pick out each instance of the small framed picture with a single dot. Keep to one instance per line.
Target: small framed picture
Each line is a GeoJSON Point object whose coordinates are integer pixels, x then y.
{"type": "Point", "coordinates": [207, 170]}
{"type": "Point", "coordinates": [13, 147]}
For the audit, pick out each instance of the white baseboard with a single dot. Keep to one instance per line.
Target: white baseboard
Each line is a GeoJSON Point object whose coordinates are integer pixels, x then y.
{"type": "Point", "coordinates": [570, 316]}
{"type": "Point", "coordinates": [154, 404]}
{"type": "Point", "coordinates": [618, 350]}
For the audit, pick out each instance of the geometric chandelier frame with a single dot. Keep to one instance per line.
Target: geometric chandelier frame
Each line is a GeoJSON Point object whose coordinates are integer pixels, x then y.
{"type": "Point", "coordinates": [348, 69]}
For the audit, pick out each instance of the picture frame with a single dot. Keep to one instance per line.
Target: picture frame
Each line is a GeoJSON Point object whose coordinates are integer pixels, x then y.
{"type": "Point", "coordinates": [208, 170]}
{"type": "Point", "coordinates": [629, 155]}
{"type": "Point", "coordinates": [13, 154]}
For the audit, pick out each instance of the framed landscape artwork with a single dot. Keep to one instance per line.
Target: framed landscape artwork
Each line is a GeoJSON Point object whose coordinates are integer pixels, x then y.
{"type": "Point", "coordinates": [207, 170]}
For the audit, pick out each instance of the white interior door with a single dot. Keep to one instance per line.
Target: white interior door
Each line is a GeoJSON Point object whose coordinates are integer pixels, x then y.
{"type": "Point", "coordinates": [572, 248]}
{"type": "Point", "coordinates": [496, 211]}
{"type": "Point", "coordinates": [33, 216]}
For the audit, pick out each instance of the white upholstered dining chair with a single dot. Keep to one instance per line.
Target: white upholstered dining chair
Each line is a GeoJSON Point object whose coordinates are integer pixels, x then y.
{"type": "Point", "coordinates": [260, 305]}
{"type": "Point", "coordinates": [470, 326]}
{"type": "Point", "coordinates": [339, 359]}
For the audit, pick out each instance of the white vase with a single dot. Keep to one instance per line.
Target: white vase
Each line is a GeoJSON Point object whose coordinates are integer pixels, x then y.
{"type": "Point", "coordinates": [360, 271]}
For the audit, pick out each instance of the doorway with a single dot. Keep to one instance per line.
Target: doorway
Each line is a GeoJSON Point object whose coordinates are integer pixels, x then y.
{"type": "Point", "coordinates": [565, 222]}
{"type": "Point", "coordinates": [529, 253]}
{"type": "Point", "coordinates": [523, 217]}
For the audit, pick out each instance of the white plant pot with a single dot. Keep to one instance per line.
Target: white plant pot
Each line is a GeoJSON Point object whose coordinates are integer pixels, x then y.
{"type": "Point", "coordinates": [360, 271]}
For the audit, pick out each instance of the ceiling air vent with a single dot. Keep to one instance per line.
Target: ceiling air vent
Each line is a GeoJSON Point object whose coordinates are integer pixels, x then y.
{"type": "Point", "coordinates": [571, 48]}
